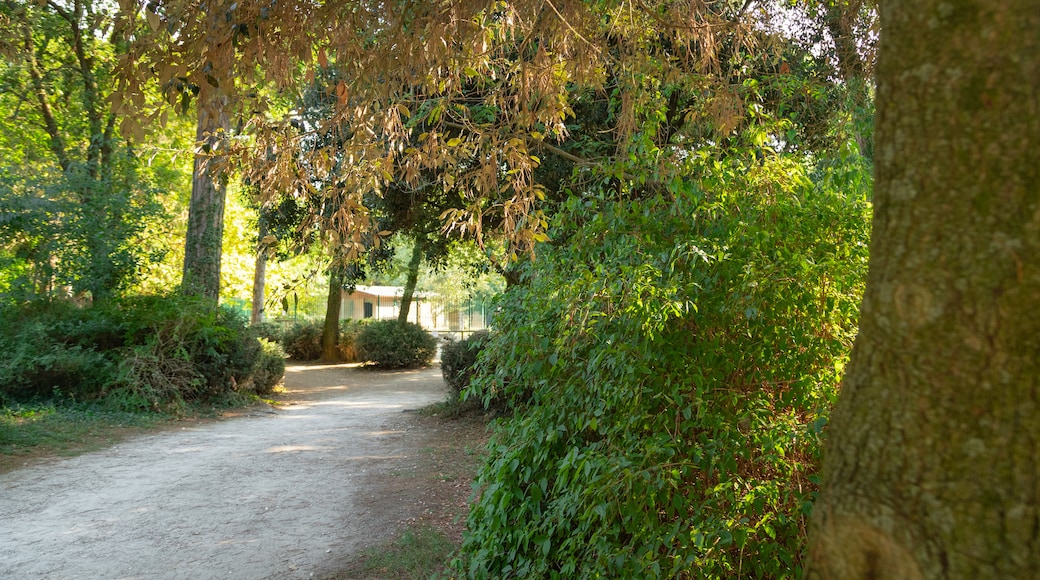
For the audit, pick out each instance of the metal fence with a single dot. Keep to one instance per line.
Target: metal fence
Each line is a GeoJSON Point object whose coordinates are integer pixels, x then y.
{"type": "Point", "coordinates": [441, 316]}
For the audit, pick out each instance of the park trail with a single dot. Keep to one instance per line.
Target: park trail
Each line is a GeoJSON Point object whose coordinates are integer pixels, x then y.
{"type": "Point", "coordinates": [277, 493]}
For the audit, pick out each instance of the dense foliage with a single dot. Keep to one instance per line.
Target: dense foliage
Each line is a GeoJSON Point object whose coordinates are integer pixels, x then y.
{"type": "Point", "coordinates": [393, 344]}
{"type": "Point", "coordinates": [459, 361]}
{"type": "Point", "coordinates": [75, 198]}
{"type": "Point", "coordinates": [302, 340]}
{"type": "Point", "coordinates": [156, 352]}
{"type": "Point", "coordinates": [269, 367]}
{"type": "Point", "coordinates": [671, 362]}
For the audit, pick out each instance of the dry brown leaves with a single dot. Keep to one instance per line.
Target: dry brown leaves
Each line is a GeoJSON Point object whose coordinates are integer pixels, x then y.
{"type": "Point", "coordinates": [415, 78]}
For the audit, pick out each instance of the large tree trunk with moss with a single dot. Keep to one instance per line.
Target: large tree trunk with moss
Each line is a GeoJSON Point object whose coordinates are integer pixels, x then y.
{"type": "Point", "coordinates": [203, 242]}
{"type": "Point", "coordinates": [412, 280]}
{"type": "Point", "coordinates": [330, 332]}
{"type": "Point", "coordinates": [932, 463]}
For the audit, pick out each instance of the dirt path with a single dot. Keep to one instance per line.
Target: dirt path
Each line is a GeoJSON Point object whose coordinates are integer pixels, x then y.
{"type": "Point", "coordinates": [279, 493]}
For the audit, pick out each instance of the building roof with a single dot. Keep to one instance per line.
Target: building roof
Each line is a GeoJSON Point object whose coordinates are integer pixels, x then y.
{"type": "Point", "coordinates": [389, 291]}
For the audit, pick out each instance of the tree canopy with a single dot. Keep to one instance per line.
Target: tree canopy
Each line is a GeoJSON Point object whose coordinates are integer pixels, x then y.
{"type": "Point", "coordinates": [495, 89]}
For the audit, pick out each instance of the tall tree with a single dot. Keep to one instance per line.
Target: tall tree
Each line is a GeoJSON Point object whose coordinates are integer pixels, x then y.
{"type": "Point", "coordinates": [202, 247]}
{"type": "Point", "coordinates": [931, 466]}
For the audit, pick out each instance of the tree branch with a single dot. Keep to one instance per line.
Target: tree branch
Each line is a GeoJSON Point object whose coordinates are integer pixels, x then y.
{"type": "Point", "coordinates": [540, 144]}
{"type": "Point", "coordinates": [57, 144]}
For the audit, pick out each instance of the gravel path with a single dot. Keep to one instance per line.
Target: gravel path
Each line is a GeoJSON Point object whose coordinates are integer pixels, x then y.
{"type": "Point", "coordinates": [275, 494]}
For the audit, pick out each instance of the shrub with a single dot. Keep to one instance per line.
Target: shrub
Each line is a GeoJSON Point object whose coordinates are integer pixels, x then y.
{"type": "Point", "coordinates": [152, 352]}
{"type": "Point", "coordinates": [269, 367]}
{"type": "Point", "coordinates": [271, 331]}
{"type": "Point", "coordinates": [458, 361]}
{"type": "Point", "coordinates": [216, 341]}
{"type": "Point", "coordinates": [150, 379]}
{"type": "Point", "coordinates": [671, 363]}
{"type": "Point", "coordinates": [41, 356]}
{"type": "Point", "coordinates": [348, 333]}
{"type": "Point", "coordinates": [392, 344]}
{"type": "Point", "coordinates": [302, 340]}
{"type": "Point", "coordinates": [182, 349]}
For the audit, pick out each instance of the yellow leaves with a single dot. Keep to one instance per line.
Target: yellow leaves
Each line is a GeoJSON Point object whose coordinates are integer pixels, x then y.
{"type": "Point", "coordinates": [485, 86]}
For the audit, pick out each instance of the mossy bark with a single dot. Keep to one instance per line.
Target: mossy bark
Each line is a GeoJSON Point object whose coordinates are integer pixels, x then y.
{"type": "Point", "coordinates": [932, 463]}
{"type": "Point", "coordinates": [412, 280]}
{"type": "Point", "coordinates": [204, 239]}
{"type": "Point", "coordinates": [330, 331]}
{"type": "Point", "coordinates": [256, 313]}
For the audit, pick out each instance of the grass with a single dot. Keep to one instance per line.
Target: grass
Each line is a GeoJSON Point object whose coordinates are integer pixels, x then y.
{"type": "Point", "coordinates": [63, 429]}
{"type": "Point", "coordinates": [420, 552]}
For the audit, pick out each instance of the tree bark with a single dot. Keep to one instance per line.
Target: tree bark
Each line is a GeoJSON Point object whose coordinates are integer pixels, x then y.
{"type": "Point", "coordinates": [203, 242]}
{"type": "Point", "coordinates": [412, 281]}
{"type": "Point", "coordinates": [932, 463]}
{"type": "Point", "coordinates": [256, 314]}
{"type": "Point", "coordinates": [330, 332]}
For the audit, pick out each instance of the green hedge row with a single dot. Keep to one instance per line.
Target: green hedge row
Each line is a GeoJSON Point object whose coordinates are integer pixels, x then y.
{"type": "Point", "coordinates": [151, 352]}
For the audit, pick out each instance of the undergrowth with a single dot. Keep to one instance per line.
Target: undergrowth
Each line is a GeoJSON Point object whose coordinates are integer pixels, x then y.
{"type": "Point", "coordinates": [670, 364]}
{"type": "Point", "coordinates": [419, 553]}
{"type": "Point", "coordinates": [142, 353]}
{"type": "Point", "coordinates": [393, 344]}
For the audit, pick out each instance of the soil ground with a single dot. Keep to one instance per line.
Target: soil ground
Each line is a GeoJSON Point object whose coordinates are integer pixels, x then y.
{"type": "Point", "coordinates": [298, 490]}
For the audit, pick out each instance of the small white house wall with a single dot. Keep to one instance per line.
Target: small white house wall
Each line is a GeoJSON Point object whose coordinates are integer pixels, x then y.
{"type": "Point", "coordinates": [385, 307]}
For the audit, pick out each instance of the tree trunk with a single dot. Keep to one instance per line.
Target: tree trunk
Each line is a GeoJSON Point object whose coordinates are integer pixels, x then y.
{"type": "Point", "coordinates": [203, 243]}
{"type": "Point", "coordinates": [932, 463]}
{"type": "Point", "coordinates": [412, 280]}
{"type": "Point", "coordinates": [256, 314]}
{"type": "Point", "coordinates": [330, 332]}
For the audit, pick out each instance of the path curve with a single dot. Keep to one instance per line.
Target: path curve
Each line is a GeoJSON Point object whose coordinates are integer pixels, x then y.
{"type": "Point", "coordinates": [275, 494]}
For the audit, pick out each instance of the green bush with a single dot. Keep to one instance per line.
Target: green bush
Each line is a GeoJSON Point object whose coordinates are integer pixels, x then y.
{"type": "Point", "coordinates": [271, 331]}
{"type": "Point", "coordinates": [392, 344]}
{"type": "Point", "coordinates": [153, 377]}
{"type": "Point", "coordinates": [348, 333]}
{"type": "Point", "coordinates": [42, 355]}
{"type": "Point", "coordinates": [671, 362]}
{"type": "Point", "coordinates": [459, 360]}
{"type": "Point", "coordinates": [302, 340]}
{"type": "Point", "coordinates": [269, 367]}
{"type": "Point", "coordinates": [216, 341]}
{"type": "Point", "coordinates": [154, 352]}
